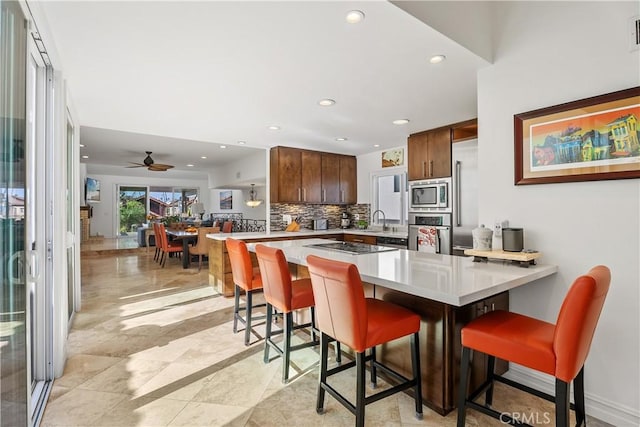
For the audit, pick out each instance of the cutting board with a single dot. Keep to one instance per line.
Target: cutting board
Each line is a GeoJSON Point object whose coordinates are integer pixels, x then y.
{"type": "Point", "coordinates": [524, 258]}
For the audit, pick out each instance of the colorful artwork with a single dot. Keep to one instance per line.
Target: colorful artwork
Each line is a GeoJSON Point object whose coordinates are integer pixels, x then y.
{"type": "Point", "coordinates": [226, 200]}
{"type": "Point", "coordinates": [579, 141]}
{"type": "Point", "coordinates": [393, 158]}
{"type": "Point", "coordinates": [590, 139]}
{"type": "Point", "coordinates": [92, 190]}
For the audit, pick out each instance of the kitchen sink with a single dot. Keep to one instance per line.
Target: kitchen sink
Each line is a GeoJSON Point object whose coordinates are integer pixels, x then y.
{"type": "Point", "coordinates": [352, 247]}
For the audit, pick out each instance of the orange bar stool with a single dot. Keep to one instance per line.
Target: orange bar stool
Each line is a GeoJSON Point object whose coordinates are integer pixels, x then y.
{"type": "Point", "coordinates": [247, 279]}
{"type": "Point", "coordinates": [344, 314]}
{"type": "Point", "coordinates": [286, 296]}
{"type": "Point", "coordinates": [559, 350]}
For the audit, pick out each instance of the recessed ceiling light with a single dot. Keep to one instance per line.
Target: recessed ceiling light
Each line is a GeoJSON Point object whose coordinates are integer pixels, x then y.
{"type": "Point", "coordinates": [203, 157]}
{"type": "Point", "coordinates": [82, 145]}
{"type": "Point", "coordinates": [85, 157]}
{"type": "Point", "coordinates": [326, 102]}
{"type": "Point", "coordinates": [354, 16]}
{"type": "Point", "coordinates": [376, 145]}
{"type": "Point", "coordinates": [190, 165]}
{"type": "Point", "coordinates": [223, 146]}
{"type": "Point", "coordinates": [241, 142]}
{"type": "Point", "coordinates": [401, 122]}
{"type": "Point", "coordinates": [274, 127]}
{"type": "Point", "coordinates": [436, 59]}
{"type": "Point", "coordinates": [341, 139]}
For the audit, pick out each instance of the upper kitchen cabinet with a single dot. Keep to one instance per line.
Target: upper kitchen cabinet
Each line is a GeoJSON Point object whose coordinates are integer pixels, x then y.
{"type": "Point", "coordinates": [294, 175]}
{"type": "Point", "coordinates": [305, 176]}
{"type": "Point", "coordinates": [429, 154]}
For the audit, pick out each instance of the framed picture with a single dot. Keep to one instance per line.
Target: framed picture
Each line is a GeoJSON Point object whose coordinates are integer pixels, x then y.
{"type": "Point", "coordinates": [392, 158]}
{"type": "Point", "coordinates": [92, 192]}
{"type": "Point", "coordinates": [586, 140]}
{"type": "Point", "coordinates": [226, 200]}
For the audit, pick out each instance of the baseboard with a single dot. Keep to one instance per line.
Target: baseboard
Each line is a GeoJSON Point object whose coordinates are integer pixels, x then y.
{"type": "Point", "coordinates": [598, 407]}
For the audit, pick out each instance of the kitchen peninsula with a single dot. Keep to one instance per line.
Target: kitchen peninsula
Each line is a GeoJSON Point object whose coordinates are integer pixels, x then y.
{"type": "Point", "coordinates": [446, 291]}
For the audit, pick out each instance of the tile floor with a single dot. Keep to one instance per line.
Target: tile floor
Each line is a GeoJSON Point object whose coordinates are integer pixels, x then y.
{"type": "Point", "coordinates": [154, 347]}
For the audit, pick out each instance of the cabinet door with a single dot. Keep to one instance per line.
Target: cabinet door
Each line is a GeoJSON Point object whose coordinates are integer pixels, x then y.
{"type": "Point", "coordinates": [289, 171]}
{"type": "Point", "coordinates": [348, 179]}
{"type": "Point", "coordinates": [310, 176]}
{"type": "Point", "coordinates": [439, 153]}
{"type": "Point", "coordinates": [417, 156]}
{"type": "Point", "coordinates": [330, 178]}
{"type": "Point", "coordinates": [369, 240]}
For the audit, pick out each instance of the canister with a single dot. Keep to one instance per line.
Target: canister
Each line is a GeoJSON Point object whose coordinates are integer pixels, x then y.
{"type": "Point", "coordinates": [512, 239]}
{"type": "Point", "coordinates": [482, 238]}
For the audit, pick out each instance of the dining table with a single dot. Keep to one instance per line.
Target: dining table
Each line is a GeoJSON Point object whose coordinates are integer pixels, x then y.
{"type": "Point", "coordinates": [186, 237]}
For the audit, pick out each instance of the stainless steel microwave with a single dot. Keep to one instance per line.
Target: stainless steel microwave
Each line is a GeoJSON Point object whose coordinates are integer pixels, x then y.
{"type": "Point", "coordinates": [430, 196]}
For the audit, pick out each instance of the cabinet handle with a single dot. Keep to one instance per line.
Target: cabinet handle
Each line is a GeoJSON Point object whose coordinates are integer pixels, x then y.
{"type": "Point", "coordinates": [324, 195]}
{"type": "Point", "coordinates": [430, 168]}
{"type": "Point", "coordinates": [358, 240]}
{"type": "Point", "coordinates": [299, 198]}
{"type": "Point", "coordinates": [304, 194]}
{"type": "Point", "coordinates": [424, 169]}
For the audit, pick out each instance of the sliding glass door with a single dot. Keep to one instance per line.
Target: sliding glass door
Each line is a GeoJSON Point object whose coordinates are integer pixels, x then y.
{"type": "Point", "coordinates": [132, 209]}
{"type": "Point", "coordinates": [13, 293]}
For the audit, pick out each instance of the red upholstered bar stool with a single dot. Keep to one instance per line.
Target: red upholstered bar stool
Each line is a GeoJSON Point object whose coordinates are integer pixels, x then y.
{"type": "Point", "coordinates": [286, 296]}
{"type": "Point", "coordinates": [247, 279]}
{"type": "Point", "coordinates": [559, 350]}
{"type": "Point", "coordinates": [343, 313]}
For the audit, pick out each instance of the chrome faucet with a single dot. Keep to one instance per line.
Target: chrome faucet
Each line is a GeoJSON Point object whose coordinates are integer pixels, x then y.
{"type": "Point", "coordinates": [384, 219]}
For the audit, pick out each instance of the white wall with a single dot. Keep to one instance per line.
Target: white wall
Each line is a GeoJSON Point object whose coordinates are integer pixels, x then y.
{"type": "Point", "coordinates": [104, 217]}
{"type": "Point", "coordinates": [370, 163]}
{"type": "Point", "coordinates": [250, 169]}
{"type": "Point", "coordinates": [238, 204]}
{"type": "Point", "coordinates": [547, 53]}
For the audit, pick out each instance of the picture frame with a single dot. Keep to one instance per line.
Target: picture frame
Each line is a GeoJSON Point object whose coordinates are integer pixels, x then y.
{"type": "Point", "coordinates": [226, 200]}
{"type": "Point", "coordinates": [590, 139]}
{"type": "Point", "coordinates": [92, 190]}
{"type": "Point", "coordinates": [391, 158]}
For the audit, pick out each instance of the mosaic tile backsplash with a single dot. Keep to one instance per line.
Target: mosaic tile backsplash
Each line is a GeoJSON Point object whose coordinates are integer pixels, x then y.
{"type": "Point", "coordinates": [307, 213]}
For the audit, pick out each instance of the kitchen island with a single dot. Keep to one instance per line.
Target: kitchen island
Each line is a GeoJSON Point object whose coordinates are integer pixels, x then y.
{"type": "Point", "coordinates": [446, 291]}
{"type": "Point", "coordinates": [220, 276]}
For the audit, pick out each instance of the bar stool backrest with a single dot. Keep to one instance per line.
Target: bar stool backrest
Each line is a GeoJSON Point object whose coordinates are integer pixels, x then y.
{"type": "Point", "coordinates": [240, 260]}
{"type": "Point", "coordinates": [276, 278]}
{"type": "Point", "coordinates": [577, 321]}
{"type": "Point", "coordinates": [340, 303]}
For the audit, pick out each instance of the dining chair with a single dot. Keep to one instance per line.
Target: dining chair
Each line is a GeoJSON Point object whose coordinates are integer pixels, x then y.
{"type": "Point", "coordinates": [558, 350]}
{"type": "Point", "coordinates": [246, 278]}
{"type": "Point", "coordinates": [201, 248]}
{"type": "Point", "coordinates": [227, 227]}
{"type": "Point", "coordinates": [286, 296]}
{"type": "Point", "coordinates": [344, 314]}
{"type": "Point", "coordinates": [167, 247]}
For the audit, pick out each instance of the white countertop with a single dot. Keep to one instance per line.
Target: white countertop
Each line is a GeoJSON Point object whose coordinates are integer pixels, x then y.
{"type": "Point", "coordinates": [304, 232]}
{"type": "Point", "coordinates": [448, 279]}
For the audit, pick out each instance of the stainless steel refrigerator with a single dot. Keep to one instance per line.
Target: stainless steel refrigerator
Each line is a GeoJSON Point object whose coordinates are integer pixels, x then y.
{"type": "Point", "coordinates": [465, 194]}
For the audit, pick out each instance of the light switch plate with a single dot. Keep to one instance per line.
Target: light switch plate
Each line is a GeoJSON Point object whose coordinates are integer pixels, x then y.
{"type": "Point", "coordinates": [286, 219]}
{"type": "Point", "coordinates": [498, 226]}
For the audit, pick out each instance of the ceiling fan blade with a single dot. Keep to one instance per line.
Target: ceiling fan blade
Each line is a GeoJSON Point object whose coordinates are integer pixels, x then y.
{"type": "Point", "coordinates": [159, 167]}
{"type": "Point", "coordinates": [136, 165]}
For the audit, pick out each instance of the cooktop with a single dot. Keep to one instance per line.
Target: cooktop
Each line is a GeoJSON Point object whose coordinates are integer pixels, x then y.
{"type": "Point", "coordinates": [352, 247]}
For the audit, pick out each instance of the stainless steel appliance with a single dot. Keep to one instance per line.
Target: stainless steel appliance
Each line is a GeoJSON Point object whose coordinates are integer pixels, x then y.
{"type": "Point", "coordinates": [430, 232]}
{"type": "Point", "coordinates": [430, 195]}
{"type": "Point", "coordinates": [345, 222]}
{"type": "Point", "coordinates": [351, 247]}
{"type": "Point", "coordinates": [465, 194]}
{"type": "Point", "coordinates": [320, 224]}
{"type": "Point", "coordinates": [394, 242]}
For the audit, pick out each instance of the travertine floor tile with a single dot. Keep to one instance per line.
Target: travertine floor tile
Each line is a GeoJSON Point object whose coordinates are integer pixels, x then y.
{"type": "Point", "coordinates": [154, 347]}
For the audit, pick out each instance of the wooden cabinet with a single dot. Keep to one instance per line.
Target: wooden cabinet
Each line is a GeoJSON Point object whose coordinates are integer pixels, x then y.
{"type": "Point", "coordinates": [305, 176]}
{"type": "Point", "coordinates": [348, 180]}
{"type": "Point", "coordinates": [356, 238]}
{"type": "Point", "coordinates": [429, 154]}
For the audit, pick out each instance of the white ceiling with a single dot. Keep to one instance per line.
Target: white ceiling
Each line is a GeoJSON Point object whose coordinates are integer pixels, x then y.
{"type": "Point", "coordinates": [180, 78]}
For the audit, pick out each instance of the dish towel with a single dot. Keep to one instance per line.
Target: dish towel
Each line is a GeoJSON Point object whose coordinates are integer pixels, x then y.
{"type": "Point", "coordinates": [427, 239]}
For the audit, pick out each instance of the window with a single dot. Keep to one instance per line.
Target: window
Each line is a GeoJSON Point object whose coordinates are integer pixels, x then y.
{"type": "Point", "coordinates": [389, 194]}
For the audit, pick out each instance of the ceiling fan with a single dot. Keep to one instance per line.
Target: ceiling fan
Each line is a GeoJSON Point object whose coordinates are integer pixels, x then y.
{"type": "Point", "coordinates": [150, 164]}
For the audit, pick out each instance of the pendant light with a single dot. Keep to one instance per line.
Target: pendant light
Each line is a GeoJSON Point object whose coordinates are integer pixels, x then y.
{"type": "Point", "coordinates": [253, 200]}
